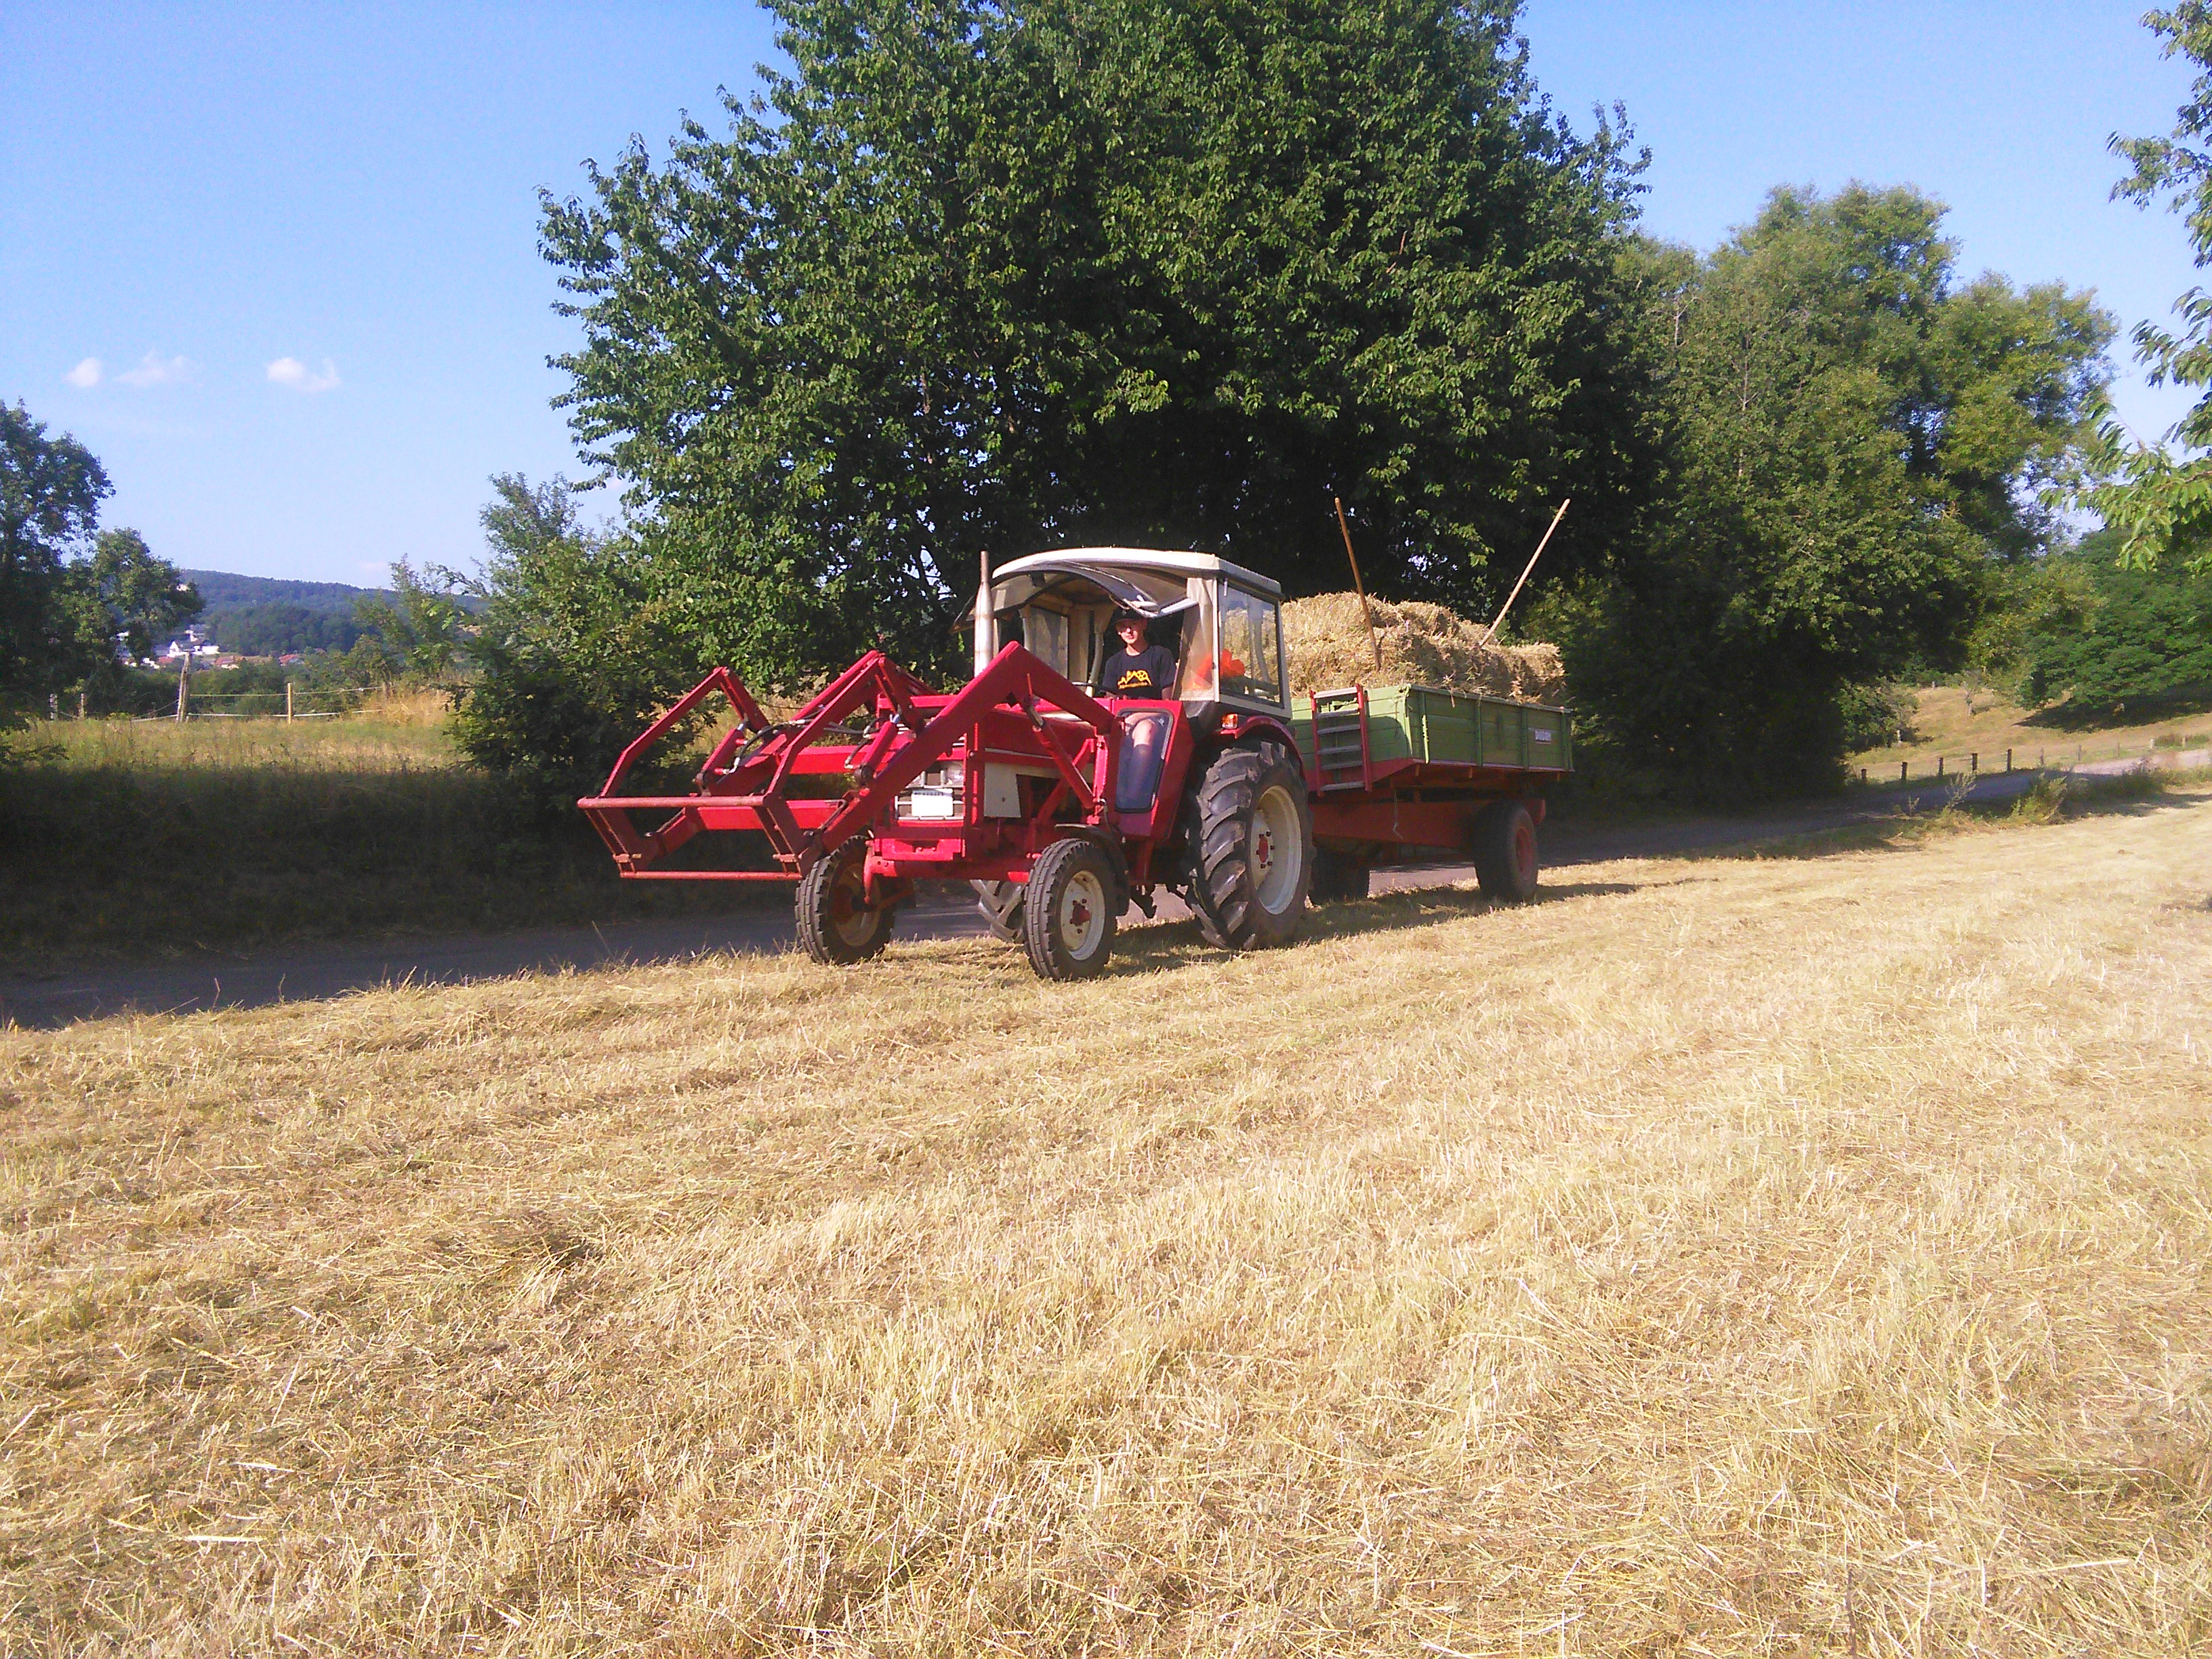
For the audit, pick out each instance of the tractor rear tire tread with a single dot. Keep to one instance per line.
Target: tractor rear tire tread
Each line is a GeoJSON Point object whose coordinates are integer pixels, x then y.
{"type": "Point", "coordinates": [1223, 895]}
{"type": "Point", "coordinates": [1001, 910]}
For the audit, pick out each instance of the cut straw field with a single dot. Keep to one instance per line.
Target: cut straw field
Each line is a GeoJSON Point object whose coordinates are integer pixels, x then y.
{"type": "Point", "coordinates": [1729, 1257]}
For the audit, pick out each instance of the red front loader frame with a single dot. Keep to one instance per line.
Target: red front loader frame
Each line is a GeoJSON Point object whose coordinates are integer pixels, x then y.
{"type": "Point", "coordinates": [1061, 746]}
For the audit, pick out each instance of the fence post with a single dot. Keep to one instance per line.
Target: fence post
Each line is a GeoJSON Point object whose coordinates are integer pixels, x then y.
{"type": "Point", "coordinates": [80, 703]}
{"type": "Point", "coordinates": [1974, 761]}
{"type": "Point", "coordinates": [1902, 768]}
{"type": "Point", "coordinates": [1939, 766]}
{"type": "Point", "coordinates": [184, 682]}
{"type": "Point", "coordinates": [288, 700]}
{"type": "Point", "coordinates": [2007, 760]}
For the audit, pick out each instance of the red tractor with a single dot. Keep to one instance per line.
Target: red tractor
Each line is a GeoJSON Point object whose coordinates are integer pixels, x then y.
{"type": "Point", "coordinates": [1063, 808]}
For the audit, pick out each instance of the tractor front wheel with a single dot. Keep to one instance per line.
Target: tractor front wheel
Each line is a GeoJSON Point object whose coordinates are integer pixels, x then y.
{"type": "Point", "coordinates": [836, 924]}
{"type": "Point", "coordinates": [1070, 910]}
{"type": "Point", "coordinates": [1252, 847]}
{"type": "Point", "coordinates": [1505, 853]}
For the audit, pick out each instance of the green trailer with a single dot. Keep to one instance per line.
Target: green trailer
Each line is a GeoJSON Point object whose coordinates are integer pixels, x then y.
{"type": "Point", "coordinates": [1399, 771]}
{"type": "Point", "coordinates": [1359, 727]}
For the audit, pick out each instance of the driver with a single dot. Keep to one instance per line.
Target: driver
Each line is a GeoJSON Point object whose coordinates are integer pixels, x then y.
{"type": "Point", "coordinates": [1137, 670]}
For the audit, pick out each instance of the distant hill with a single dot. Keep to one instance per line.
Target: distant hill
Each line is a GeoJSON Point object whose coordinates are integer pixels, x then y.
{"type": "Point", "coordinates": [268, 616]}
{"type": "Point", "coordinates": [221, 591]}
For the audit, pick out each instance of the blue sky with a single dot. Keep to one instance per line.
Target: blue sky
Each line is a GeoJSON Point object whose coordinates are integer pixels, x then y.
{"type": "Point", "coordinates": [300, 242]}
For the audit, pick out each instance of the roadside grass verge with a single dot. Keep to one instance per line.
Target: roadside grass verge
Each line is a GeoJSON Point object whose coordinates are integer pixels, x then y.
{"type": "Point", "coordinates": [1951, 720]}
{"type": "Point", "coordinates": [2052, 799]}
{"type": "Point", "coordinates": [1729, 1257]}
{"type": "Point", "coordinates": [144, 838]}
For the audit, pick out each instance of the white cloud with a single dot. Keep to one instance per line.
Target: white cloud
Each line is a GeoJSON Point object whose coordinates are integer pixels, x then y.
{"type": "Point", "coordinates": [154, 369]}
{"type": "Point", "coordinates": [86, 374]}
{"type": "Point", "coordinates": [290, 371]}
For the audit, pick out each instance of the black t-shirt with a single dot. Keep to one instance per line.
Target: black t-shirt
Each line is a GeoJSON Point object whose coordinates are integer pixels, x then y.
{"type": "Point", "coordinates": [1146, 673]}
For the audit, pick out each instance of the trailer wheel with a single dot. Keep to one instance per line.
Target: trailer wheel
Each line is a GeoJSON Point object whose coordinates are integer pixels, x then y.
{"type": "Point", "coordinates": [1069, 913]}
{"type": "Point", "coordinates": [1505, 853]}
{"type": "Point", "coordinates": [836, 923]}
{"type": "Point", "coordinates": [1252, 848]}
{"type": "Point", "coordinates": [1001, 904]}
{"type": "Point", "coordinates": [1339, 877]}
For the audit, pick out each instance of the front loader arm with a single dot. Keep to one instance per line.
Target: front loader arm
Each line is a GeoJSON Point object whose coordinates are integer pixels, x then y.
{"type": "Point", "coordinates": [1016, 676]}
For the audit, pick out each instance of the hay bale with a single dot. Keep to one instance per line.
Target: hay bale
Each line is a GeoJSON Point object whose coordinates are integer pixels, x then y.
{"type": "Point", "coordinates": [1422, 644]}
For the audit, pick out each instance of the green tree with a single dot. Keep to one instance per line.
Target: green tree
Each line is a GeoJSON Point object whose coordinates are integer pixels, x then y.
{"type": "Point", "coordinates": [572, 651]}
{"type": "Point", "coordinates": [2162, 501]}
{"type": "Point", "coordinates": [115, 605]}
{"type": "Point", "coordinates": [997, 277]}
{"type": "Point", "coordinates": [2111, 633]}
{"type": "Point", "coordinates": [418, 631]}
{"type": "Point", "coordinates": [1855, 442]}
{"type": "Point", "coordinates": [75, 603]}
{"type": "Point", "coordinates": [49, 494]}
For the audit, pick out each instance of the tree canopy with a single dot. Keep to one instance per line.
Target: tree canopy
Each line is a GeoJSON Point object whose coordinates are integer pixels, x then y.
{"type": "Point", "coordinates": [72, 597]}
{"type": "Point", "coordinates": [2105, 633]}
{"type": "Point", "coordinates": [979, 278]}
{"type": "Point", "coordinates": [2162, 501]}
{"type": "Point", "coordinates": [1854, 437]}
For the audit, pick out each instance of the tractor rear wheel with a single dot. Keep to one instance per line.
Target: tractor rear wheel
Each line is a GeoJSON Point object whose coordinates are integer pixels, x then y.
{"type": "Point", "coordinates": [1505, 853]}
{"type": "Point", "coordinates": [836, 924]}
{"type": "Point", "coordinates": [1339, 877]}
{"type": "Point", "coordinates": [1001, 904]}
{"type": "Point", "coordinates": [1251, 848]}
{"type": "Point", "coordinates": [1070, 910]}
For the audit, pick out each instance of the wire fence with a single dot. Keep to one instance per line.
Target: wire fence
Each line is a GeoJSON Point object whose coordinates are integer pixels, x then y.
{"type": "Point", "coordinates": [2046, 757]}
{"type": "Point", "coordinates": [289, 701]}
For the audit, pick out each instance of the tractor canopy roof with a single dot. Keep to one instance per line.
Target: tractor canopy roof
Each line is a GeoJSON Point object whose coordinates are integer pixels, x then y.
{"type": "Point", "coordinates": [1139, 578]}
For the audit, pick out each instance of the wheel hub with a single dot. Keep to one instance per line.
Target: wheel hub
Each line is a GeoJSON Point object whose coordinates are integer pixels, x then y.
{"type": "Point", "coordinates": [1276, 850]}
{"type": "Point", "coordinates": [1082, 912]}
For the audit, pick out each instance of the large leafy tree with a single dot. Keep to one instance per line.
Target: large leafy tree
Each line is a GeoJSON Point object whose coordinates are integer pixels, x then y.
{"type": "Point", "coordinates": [2159, 499]}
{"type": "Point", "coordinates": [114, 606]}
{"type": "Point", "coordinates": [986, 277]}
{"type": "Point", "coordinates": [50, 488]}
{"type": "Point", "coordinates": [1858, 439]}
{"type": "Point", "coordinates": [72, 597]}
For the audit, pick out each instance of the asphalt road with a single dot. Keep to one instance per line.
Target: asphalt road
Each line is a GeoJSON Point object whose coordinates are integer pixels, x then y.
{"type": "Point", "coordinates": [312, 971]}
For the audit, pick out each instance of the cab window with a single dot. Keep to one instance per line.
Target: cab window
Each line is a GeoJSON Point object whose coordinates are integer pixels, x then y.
{"type": "Point", "coordinates": [1251, 660]}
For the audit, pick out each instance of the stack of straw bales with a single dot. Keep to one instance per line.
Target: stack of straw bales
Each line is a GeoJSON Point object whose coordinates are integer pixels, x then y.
{"type": "Point", "coordinates": [1422, 644]}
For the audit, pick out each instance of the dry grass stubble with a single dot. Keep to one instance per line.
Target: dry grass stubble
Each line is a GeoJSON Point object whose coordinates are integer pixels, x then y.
{"type": "Point", "coordinates": [1756, 1257]}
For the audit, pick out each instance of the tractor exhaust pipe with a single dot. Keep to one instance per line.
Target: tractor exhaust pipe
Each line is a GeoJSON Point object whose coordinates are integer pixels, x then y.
{"type": "Point", "coordinates": [986, 621]}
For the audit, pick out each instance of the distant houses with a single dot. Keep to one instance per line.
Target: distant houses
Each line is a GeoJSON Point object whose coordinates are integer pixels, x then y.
{"type": "Point", "coordinates": [194, 646]}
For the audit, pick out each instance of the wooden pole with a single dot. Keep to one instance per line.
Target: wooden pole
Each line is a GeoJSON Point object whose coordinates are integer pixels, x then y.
{"type": "Point", "coordinates": [288, 700]}
{"type": "Point", "coordinates": [184, 682]}
{"type": "Point", "coordinates": [1525, 569]}
{"type": "Point", "coordinates": [1372, 639]}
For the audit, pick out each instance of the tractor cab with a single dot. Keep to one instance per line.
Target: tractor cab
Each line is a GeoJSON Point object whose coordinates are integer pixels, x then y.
{"type": "Point", "coordinates": [1223, 622]}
